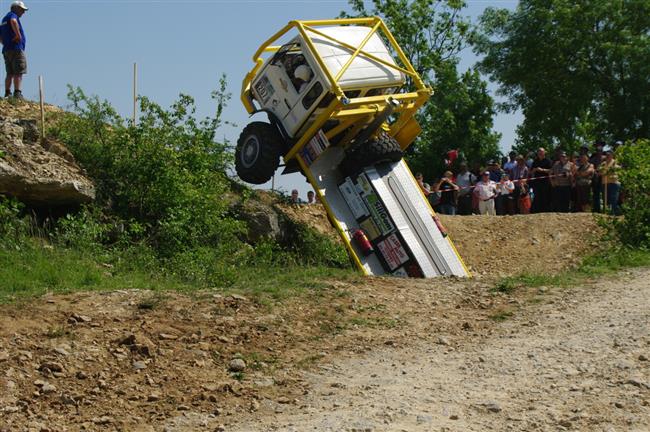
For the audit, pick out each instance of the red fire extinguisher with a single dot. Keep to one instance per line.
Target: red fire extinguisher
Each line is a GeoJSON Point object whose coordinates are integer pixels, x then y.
{"type": "Point", "coordinates": [363, 242]}
{"type": "Point", "coordinates": [442, 229]}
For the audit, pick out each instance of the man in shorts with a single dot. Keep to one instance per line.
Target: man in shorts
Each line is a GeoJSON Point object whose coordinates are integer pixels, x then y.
{"type": "Point", "coordinates": [13, 48]}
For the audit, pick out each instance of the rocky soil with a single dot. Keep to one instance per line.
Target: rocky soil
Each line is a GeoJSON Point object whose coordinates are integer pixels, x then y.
{"type": "Point", "coordinates": [36, 172]}
{"type": "Point", "coordinates": [500, 245]}
{"type": "Point", "coordinates": [368, 354]}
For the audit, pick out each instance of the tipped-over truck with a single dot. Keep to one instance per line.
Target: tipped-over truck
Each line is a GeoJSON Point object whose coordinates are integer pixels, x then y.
{"type": "Point", "coordinates": [334, 94]}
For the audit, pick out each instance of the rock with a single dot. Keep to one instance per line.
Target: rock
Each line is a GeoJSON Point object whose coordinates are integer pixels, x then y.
{"type": "Point", "coordinates": [51, 366]}
{"type": "Point", "coordinates": [618, 404]}
{"type": "Point", "coordinates": [48, 388]}
{"type": "Point", "coordinates": [81, 375]}
{"type": "Point", "coordinates": [283, 400]}
{"type": "Point", "coordinates": [493, 407]}
{"type": "Point", "coordinates": [153, 397]}
{"type": "Point", "coordinates": [641, 357]}
{"type": "Point", "coordinates": [4, 356]}
{"type": "Point", "coordinates": [453, 417]}
{"type": "Point", "coordinates": [442, 341]}
{"type": "Point", "coordinates": [81, 318]}
{"type": "Point", "coordinates": [237, 365]}
{"type": "Point", "coordinates": [167, 336]}
{"type": "Point", "coordinates": [182, 408]}
{"type": "Point", "coordinates": [104, 420]}
{"type": "Point", "coordinates": [220, 428]}
{"type": "Point", "coordinates": [36, 176]}
{"type": "Point", "coordinates": [139, 365]}
{"type": "Point", "coordinates": [565, 423]}
{"type": "Point", "coordinates": [62, 351]}
{"type": "Point", "coordinates": [238, 297]}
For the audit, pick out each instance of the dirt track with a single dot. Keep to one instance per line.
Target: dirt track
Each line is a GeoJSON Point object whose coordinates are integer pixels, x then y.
{"type": "Point", "coordinates": [373, 354]}
{"type": "Point", "coordinates": [579, 362]}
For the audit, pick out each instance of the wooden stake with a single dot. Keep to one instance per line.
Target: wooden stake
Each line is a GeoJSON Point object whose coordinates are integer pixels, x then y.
{"type": "Point", "coordinates": [42, 101]}
{"type": "Point", "coordinates": [135, 93]}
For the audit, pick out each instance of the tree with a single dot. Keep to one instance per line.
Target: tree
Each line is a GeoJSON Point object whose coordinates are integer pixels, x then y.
{"type": "Point", "coordinates": [579, 70]}
{"type": "Point", "coordinates": [460, 113]}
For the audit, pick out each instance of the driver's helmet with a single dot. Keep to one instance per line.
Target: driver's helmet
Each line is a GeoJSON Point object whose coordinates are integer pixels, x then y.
{"type": "Point", "coordinates": [302, 72]}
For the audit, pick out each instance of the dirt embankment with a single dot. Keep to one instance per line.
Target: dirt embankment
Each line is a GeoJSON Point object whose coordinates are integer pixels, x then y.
{"type": "Point", "coordinates": [501, 245]}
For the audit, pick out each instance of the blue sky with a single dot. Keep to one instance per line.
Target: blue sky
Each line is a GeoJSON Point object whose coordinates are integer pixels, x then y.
{"type": "Point", "coordinates": [180, 47]}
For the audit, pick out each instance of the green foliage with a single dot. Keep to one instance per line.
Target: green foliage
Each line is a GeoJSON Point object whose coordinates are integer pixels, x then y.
{"type": "Point", "coordinates": [634, 228]}
{"type": "Point", "coordinates": [166, 174]}
{"type": "Point", "coordinates": [577, 70]}
{"type": "Point", "coordinates": [460, 113]}
{"type": "Point", "coordinates": [13, 226]}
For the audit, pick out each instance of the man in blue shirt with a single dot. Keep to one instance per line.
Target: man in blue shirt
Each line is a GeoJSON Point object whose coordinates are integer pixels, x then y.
{"type": "Point", "coordinates": [13, 48]}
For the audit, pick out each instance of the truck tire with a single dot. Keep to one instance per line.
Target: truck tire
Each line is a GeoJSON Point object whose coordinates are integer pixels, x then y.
{"type": "Point", "coordinates": [257, 155]}
{"type": "Point", "coordinates": [383, 148]}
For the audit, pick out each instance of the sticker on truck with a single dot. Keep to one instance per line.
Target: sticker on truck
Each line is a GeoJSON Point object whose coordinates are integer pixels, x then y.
{"type": "Point", "coordinates": [379, 214]}
{"type": "Point", "coordinates": [352, 198]}
{"type": "Point", "coordinates": [393, 252]}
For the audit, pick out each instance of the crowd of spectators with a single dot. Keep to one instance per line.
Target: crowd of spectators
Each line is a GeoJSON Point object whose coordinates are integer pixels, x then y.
{"type": "Point", "coordinates": [578, 182]}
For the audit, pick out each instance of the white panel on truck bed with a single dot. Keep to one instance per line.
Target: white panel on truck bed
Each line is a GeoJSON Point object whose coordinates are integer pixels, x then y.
{"type": "Point", "coordinates": [399, 223]}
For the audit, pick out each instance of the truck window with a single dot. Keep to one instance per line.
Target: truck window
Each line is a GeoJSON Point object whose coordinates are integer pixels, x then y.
{"type": "Point", "coordinates": [312, 95]}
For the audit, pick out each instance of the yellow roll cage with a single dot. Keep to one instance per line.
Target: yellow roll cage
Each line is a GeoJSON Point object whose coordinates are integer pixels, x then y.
{"type": "Point", "coordinates": [350, 111]}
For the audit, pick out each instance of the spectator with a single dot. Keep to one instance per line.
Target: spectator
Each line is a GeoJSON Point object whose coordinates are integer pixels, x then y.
{"type": "Point", "coordinates": [311, 198]}
{"type": "Point", "coordinates": [295, 199]}
{"type": "Point", "coordinates": [611, 185]}
{"type": "Point", "coordinates": [447, 189]}
{"type": "Point", "coordinates": [426, 189]}
{"type": "Point", "coordinates": [495, 171]}
{"type": "Point", "coordinates": [561, 181]}
{"type": "Point", "coordinates": [465, 180]}
{"type": "Point", "coordinates": [510, 165]}
{"type": "Point", "coordinates": [486, 191]}
{"type": "Point", "coordinates": [523, 197]}
{"type": "Point", "coordinates": [596, 183]}
{"type": "Point", "coordinates": [530, 158]}
{"type": "Point", "coordinates": [520, 171]}
{"type": "Point", "coordinates": [505, 203]}
{"type": "Point", "coordinates": [13, 38]}
{"type": "Point", "coordinates": [583, 176]}
{"type": "Point", "coordinates": [540, 182]}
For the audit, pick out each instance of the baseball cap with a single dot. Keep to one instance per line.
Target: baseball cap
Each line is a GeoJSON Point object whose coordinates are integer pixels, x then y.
{"type": "Point", "coordinates": [487, 173]}
{"type": "Point", "coordinates": [19, 4]}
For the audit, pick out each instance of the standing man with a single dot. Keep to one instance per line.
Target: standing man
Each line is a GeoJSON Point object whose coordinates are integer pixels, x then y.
{"type": "Point", "coordinates": [486, 192]}
{"type": "Point", "coordinates": [13, 48]}
{"type": "Point", "coordinates": [540, 182]}
{"type": "Point", "coordinates": [465, 180]}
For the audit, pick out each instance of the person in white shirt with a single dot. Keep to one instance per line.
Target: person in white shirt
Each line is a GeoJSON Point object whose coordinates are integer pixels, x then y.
{"type": "Point", "coordinates": [505, 203]}
{"type": "Point", "coordinates": [465, 180]}
{"type": "Point", "coordinates": [486, 192]}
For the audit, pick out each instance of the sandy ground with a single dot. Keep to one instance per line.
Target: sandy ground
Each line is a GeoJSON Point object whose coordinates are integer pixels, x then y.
{"type": "Point", "coordinates": [372, 354]}
{"type": "Point", "coordinates": [578, 362]}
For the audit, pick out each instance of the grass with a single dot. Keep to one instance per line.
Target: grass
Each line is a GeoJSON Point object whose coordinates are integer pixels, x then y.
{"type": "Point", "coordinates": [501, 315]}
{"type": "Point", "coordinates": [33, 270]}
{"type": "Point", "coordinates": [607, 262]}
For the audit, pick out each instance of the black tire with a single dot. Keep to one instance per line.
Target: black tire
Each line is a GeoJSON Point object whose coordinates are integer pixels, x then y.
{"type": "Point", "coordinates": [383, 148]}
{"type": "Point", "coordinates": [257, 155]}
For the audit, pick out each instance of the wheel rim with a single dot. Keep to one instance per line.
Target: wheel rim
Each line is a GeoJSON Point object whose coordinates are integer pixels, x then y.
{"type": "Point", "coordinates": [250, 151]}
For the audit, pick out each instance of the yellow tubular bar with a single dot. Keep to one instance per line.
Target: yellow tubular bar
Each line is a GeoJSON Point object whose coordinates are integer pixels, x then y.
{"type": "Point", "coordinates": [309, 133]}
{"type": "Point", "coordinates": [333, 218]}
{"type": "Point", "coordinates": [357, 51]}
{"type": "Point", "coordinates": [340, 128]}
{"type": "Point", "coordinates": [370, 56]}
{"type": "Point", "coordinates": [416, 78]}
{"type": "Point", "coordinates": [335, 86]}
{"type": "Point", "coordinates": [341, 21]}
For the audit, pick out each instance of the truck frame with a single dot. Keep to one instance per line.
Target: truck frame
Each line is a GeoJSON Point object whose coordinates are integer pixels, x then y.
{"type": "Point", "coordinates": [338, 113]}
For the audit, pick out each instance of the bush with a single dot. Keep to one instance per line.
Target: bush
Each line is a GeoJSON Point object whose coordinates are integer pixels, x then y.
{"type": "Point", "coordinates": [167, 173]}
{"type": "Point", "coordinates": [634, 228]}
{"type": "Point", "coordinates": [13, 226]}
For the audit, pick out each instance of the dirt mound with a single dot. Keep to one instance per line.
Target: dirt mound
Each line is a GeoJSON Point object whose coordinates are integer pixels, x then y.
{"type": "Point", "coordinates": [500, 245]}
{"type": "Point", "coordinates": [536, 243]}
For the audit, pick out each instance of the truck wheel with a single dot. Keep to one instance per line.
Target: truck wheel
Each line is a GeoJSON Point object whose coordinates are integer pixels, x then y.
{"type": "Point", "coordinates": [384, 148]}
{"type": "Point", "coordinates": [257, 155]}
